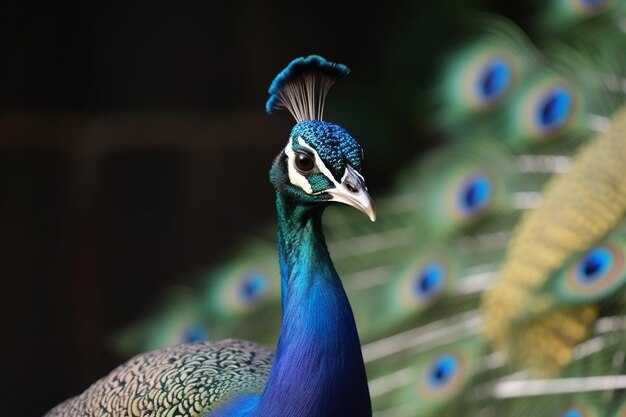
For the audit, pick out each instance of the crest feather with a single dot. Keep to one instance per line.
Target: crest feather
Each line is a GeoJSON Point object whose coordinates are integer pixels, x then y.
{"type": "Point", "coordinates": [302, 86]}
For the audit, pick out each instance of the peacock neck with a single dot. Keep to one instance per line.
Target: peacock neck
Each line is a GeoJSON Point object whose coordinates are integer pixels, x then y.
{"type": "Point", "coordinates": [318, 369]}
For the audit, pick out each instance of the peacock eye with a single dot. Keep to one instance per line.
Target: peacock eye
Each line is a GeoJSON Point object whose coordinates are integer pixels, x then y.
{"type": "Point", "coordinates": [304, 162]}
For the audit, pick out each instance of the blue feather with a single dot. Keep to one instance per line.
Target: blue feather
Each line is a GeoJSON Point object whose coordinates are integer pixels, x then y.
{"type": "Point", "coordinates": [495, 80]}
{"type": "Point", "coordinates": [554, 108]}
{"type": "Point", "coordinates": [430, 280]}
{"type": "Point", "coordinates": [318, 365]}
{"type": "Point", "coordinates": [442, 371]}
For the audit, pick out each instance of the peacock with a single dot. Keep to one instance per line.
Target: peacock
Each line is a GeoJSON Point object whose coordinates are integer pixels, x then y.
{"type": "Point", "coordinates": [492, 282]}
{"type": "Point", "coordinates": [317, 368]}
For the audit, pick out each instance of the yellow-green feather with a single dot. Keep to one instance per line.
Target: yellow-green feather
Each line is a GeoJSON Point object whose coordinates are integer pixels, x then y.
{"type": "Point", "coordinates": [578, 208]}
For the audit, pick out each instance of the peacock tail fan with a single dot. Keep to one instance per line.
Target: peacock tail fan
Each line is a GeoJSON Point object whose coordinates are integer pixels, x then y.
{"type": "Point", "coordinates": [546, 107]}
{"type": "Point", "coordinates": [563, 102]}
{"type": "Point", "coordinates": [592, 53]}
{"type": "Point", "coordinates": [592, 384]}
{"type": "Point", "coordinates": [596, 277]}
{"type": "Point", "coordinates": [179, 319]}
{"type": "Point", "coordinates": [561, 95]}
{"type": "Point", "coordinates": [568, 100]}
{"type": "Point", "coordinates": [475, 181]}
{"type": "Point", "coordinates": [578, 209]}
{"type": "Point", "coordinates": [433, 381]}
{"type": "Point", "coordinates": [592, 276]}
{"type": "Point", "coordinates": [242, 294]}
{"type": "Point", "coordinates": [481, 74]}
{"type": "Point", "coordinates": [423, 281]}
{"type": "Point", "coordinates": [248, 281]}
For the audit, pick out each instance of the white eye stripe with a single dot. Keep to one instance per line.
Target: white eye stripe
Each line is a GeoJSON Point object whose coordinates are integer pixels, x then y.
{"type": "Point", "coordinates": [295, 177]}
{"type": "Point", "coordinates": [318, 162]}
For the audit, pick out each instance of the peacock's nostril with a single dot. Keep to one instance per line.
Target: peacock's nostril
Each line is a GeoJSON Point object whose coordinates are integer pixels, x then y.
{"type": "Point", "coordinates": [351, 188]}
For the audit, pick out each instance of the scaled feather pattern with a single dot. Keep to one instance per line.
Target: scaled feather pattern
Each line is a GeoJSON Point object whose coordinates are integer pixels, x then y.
{"type": "Point", "coordinates": [188, 379]}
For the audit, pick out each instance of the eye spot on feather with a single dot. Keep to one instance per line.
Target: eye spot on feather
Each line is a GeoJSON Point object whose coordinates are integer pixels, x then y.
{"type": "Point", "coordinates": [252, 287]}
{"type": "Point", "coordinates": [596, 274]}
{"type": "Point", "coordinates": [196, 332]}
{"type": "Point", "coordinates": [594, 264]}
{"type": "Point", "coordinates": [473, 195]}
{"type": "Point", "coordinates": [494, 80]}
{"type": "Point", "coordinates": [443, 374]}
{"type": "Point", "coordinates": [554, 108]}
{"type": "Point", "coordinates": [423, 282]}
{"type": "Point", "coordinates": [244, 288]}
{"type": "Point", "coordinates": [597, 269]}
{"type": "Point", "coordinates": [430, 280]}
{"type": "Point", "coordinates": [549, 108]}
{"type": "Point", "coordinates": [442, 371]}
{"type": "Point", "coordinates": [483, 77]}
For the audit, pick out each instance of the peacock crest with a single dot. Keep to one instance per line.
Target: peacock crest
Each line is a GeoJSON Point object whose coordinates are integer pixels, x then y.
{"type": "Point", "coordinates": [303, 85]}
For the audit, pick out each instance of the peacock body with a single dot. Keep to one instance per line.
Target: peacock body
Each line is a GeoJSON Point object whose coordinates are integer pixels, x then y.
{"type": "Point", "coordinates": [492, 283]}
{"type": "Point", "coordinates": [318, 368]}
{"type": "Point", "coordinates": [186, 379]}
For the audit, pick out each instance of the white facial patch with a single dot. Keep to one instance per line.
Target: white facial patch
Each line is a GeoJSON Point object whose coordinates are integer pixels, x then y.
{"type": "Point", "coordinates": [351, 171]}
{"type": "Point", "coordinates": [295, 177]}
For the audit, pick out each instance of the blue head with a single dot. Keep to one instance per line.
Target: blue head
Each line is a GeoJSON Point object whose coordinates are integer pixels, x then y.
{"type": "Point", "coordinates": [321, 162]}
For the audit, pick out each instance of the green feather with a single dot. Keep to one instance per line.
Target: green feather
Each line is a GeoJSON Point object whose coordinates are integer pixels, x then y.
{"type": "Point", "coordinates": [433, 382]}
{"type": "Point", "coordinates": [481, 74]}
{"type": "Point", "coordinates": [249, 281]}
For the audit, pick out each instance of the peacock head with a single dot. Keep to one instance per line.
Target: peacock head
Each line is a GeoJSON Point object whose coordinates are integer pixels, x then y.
{"type": "Point", "coordinates": [321, 162]}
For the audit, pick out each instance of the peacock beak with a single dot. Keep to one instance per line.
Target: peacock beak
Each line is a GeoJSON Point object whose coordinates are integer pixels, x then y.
{"type": "Point", "coordinates": [353, 192]}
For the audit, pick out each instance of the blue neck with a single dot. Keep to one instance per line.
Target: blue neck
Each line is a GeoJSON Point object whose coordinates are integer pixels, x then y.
{"type": "Point", "coordinates": [318, 370]}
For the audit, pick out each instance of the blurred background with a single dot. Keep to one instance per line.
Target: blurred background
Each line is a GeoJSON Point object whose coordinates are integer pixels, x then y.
{"type": "Point", "coordinates": [134, 151]}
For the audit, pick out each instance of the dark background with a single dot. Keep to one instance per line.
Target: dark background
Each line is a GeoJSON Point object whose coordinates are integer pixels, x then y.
{"type": "Point", "coordinates": [134, 150]}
